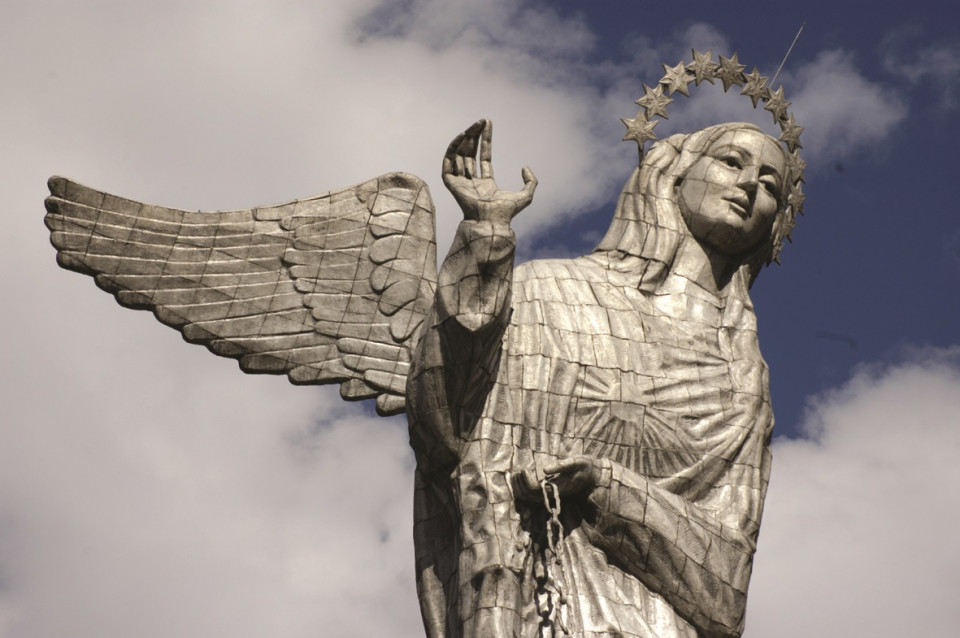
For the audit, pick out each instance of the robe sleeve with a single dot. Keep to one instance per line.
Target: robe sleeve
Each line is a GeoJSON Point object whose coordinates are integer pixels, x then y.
{"type": "Point", "coordinates": [455, 362]}
{"type": "Point", "coordinates": [678, 550]}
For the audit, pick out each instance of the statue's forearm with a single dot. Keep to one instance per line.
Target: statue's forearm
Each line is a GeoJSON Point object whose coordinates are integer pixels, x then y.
{"type": "Point", "coordinates": [682, 553]}
{"type": "Point", "coordinates": [476, 276]}
{"type": "Point", "coordinates": [455, 360]}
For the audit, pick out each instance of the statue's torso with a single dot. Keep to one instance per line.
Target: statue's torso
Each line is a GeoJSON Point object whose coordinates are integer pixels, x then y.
{"type": "Point", "coordinates": [590, 365]}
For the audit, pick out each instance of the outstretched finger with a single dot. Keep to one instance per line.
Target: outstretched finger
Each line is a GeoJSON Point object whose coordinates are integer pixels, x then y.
{"type": "Point", "coordinates": [486, 151]}
{"type": "Point", "coordinates": [468, 147]}
{"type": "Point", "coordinates": [530, 180]}
{"type": "Point", "coordinates": [529, 185]}
{"type": "Point", "coordinates": [450, 158]}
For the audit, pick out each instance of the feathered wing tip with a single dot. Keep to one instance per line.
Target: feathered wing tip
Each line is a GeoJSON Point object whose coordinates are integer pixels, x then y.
{"type": "Point", "coordinates": [328, 289]}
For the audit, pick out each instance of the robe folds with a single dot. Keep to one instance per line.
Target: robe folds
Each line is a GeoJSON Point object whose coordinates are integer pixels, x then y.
{"type": "Point", "coordinates": [519, 367]}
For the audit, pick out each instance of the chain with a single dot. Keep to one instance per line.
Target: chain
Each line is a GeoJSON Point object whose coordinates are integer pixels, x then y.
{"type": "Point", "coordinates": [554, 611]}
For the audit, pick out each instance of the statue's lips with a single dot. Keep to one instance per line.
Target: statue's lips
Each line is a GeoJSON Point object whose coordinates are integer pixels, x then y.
{"type": "Point", "coordinates": [739, 205]}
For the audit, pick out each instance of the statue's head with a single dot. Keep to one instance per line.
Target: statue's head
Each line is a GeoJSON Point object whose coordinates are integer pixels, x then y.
{"type": "Point", "coordinates": [724, 186]}
{"type": "Point", "coordinates": [730, 187]}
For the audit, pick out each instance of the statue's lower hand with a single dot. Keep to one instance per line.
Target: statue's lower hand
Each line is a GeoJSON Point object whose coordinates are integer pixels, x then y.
{"type": "Point", "coordinates": [477, 194]}
{"type": "Point", "coordinates": [572, 476]}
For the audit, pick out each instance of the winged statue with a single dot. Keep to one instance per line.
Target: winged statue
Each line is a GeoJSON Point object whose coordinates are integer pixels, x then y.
{"type": "Point", "coordinates": [592, 435]}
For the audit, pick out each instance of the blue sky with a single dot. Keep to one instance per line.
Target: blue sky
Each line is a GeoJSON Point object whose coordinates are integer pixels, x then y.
{"type": "Point", "coordinates": [876, 265]}
{"type": "Point", "coordinates": [149, 488]}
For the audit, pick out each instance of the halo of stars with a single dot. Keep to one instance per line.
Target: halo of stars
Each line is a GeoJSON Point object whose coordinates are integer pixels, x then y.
{"type": "Point", "coordinates": [730, 72]}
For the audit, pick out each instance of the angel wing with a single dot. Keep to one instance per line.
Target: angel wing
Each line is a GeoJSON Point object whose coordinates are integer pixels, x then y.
{"type": "Point", "coordinates": [327, 289]}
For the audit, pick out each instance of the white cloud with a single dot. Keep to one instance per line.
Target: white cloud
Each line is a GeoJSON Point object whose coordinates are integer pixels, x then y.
{"type": "Point", "coordinates": [909, 54]}
{"type": "Point", "coordinates": [285, 100]}
{"type": "Point", "coordinates": [497, 26]}
{"type": "Point", "coordinates": [150, 489]}
{"type": "Point", "coordinates": [859, 533]}
{"type": "Point", "coordinates": [840, 109]}
{"type": "Point", "coordinates": [937, 60]}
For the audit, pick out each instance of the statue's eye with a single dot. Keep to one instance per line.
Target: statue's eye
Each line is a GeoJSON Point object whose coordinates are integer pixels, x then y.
{"type": "Point", "coordinates": [769, 181]}
{"type": "Point", "coordinates": [731, 160]}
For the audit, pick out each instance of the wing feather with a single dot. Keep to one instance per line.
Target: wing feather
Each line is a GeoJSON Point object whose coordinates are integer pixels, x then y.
{"type": "Point", "coordinates": [329, 289]}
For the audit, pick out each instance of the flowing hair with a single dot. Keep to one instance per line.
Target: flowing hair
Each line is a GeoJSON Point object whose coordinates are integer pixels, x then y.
{"type": "Point", "coordinates": [648, 225]}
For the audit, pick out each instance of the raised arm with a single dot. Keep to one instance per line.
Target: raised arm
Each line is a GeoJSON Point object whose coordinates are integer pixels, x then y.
{"type": "Point", "coordinates": [477, 273]}
{"type": "Point", "coordinates": [457, 355]}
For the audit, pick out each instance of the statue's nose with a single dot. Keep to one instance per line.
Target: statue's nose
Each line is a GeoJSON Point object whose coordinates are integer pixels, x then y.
{"type": "Point", "coordinates": [749, 182]}
{"type": "Point", "coordinates": [749, 178]}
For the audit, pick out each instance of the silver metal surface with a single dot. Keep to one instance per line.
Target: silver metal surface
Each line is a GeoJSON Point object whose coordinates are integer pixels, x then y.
{"type": "Point", "coordinates": [591, 434]}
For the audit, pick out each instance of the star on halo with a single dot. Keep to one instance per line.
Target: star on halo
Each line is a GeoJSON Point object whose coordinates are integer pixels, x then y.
{"type": "Point", "coordinates": [654, 101]}
{"type": "Point", "coordinates": [639, 129]}
{"type": "Point", "coordinates": [703, 67]}
{"type": "Point", "coordinates": [676, 79]}
{"type": "Point", "coordinates": [777, 105]}
{"type": "Point", "coordinates": [797, 165]}
{"type": "Point", "coordinates": [788, 225]}
{"type": "Point", "coordinates": [791, 133]}
{"type": "Point", "coordinates": [796, 199]}
{"type": "Point", "coordinates": [756, 87]}
{"type": "Point", "coordinates": [730, 71]}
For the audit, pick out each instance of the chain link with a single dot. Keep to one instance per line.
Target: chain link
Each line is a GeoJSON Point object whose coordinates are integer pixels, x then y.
{"type": "Point", "coordinates": [554, 611]}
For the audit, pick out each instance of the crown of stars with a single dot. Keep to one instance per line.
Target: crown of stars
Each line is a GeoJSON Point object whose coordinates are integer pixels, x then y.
{"type": "Point", "coordinates": [729, 71]}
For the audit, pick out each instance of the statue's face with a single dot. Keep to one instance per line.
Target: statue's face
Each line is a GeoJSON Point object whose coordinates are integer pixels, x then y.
{"type": "Point", "coordinates": [729, 197]}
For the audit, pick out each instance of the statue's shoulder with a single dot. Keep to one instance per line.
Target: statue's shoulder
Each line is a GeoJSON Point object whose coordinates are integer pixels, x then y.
{"type": "Point", "coordinates": [570, 282]}
{"type": "Point", "coordinates": [585, 268]}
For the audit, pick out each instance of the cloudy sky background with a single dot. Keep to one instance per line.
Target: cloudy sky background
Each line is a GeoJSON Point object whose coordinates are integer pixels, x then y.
{"type": "Point", "coordinates": [149, 489]}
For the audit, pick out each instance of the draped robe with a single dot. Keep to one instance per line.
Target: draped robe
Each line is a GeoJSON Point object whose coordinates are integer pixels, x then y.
{"type": "Point", "coordinates": [519, 367]}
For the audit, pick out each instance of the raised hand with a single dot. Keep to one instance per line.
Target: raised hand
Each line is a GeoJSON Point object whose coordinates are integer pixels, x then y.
{"type": "Point", "coordinates": [478, 195]}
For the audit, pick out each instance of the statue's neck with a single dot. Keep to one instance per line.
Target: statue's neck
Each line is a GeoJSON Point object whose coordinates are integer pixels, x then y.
{"type": "Point", "coordinates": [704, 266]}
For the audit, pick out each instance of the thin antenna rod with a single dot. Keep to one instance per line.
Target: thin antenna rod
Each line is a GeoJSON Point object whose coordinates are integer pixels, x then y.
{"type": "Point", "coordinates": [780, 68]}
